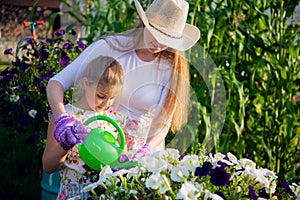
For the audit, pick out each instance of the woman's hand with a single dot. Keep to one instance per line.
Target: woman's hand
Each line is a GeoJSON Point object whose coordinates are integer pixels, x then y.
{"type": "Point", "coordinates": [145, 150]}
{"type": "Point", "coordinates": [69, 131]}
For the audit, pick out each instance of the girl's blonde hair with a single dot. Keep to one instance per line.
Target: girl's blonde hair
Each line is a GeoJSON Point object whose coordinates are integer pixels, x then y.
{"type": "Point", "coordinates": [104, 71]}
{"type": "Point", "coordinates": [177, 100]}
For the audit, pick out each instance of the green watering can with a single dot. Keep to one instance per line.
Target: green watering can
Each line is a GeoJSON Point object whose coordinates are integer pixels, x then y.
{"type": "Point", "coordinates": [101, 147]}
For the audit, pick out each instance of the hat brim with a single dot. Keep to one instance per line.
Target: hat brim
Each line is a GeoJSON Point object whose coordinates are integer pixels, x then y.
{"type": "Point", "coordinates": [190, 34]}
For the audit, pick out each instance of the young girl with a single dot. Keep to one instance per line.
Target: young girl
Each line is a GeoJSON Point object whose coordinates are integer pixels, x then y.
{"type": "Point", "coordinates": [156, 72]}
{"type": "Point", "coordinates": [96, 90]}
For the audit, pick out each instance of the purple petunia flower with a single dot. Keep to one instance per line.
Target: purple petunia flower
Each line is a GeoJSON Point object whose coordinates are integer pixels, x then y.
{"type": "Point", "coordinates": [23, 65]}
{"type": "Point", "coordinates": [263, 194]}
{"type": "Point", "coordinates": [80, 44]}
{"type": "Point", "coordinates": [221, 195]}
{"type": "Point", "coordinates": [219, 176]}
{"type": "Point", "coordinates": [204, 170]}
{"type": "Point", "coordinates": [67, 45]}
{"type": "Point", "coordinates": [222, 164]}
{"type": "Point", "coordinates": [30, 41]}
{"type": "Point", "coordinates": [64, 61]}
{"type": "Point", "coordinates": [8, 51]}
{"type": "Point", "coordinates": [252, 194]}
{"type": "Point", "coordinates": [23, 88]}
{"type": "Point", "coordinates": [43, 54]}
{"type": "Point", "coordinates": [60, 32]}
{"type": "Point", "coordinates": [49, 41]}
{"type": "Point", "coordinates": [287, 188]}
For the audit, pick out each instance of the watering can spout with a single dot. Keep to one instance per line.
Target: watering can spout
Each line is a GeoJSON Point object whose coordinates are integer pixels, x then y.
{"type": "Point", "coordinates": [120, 165]}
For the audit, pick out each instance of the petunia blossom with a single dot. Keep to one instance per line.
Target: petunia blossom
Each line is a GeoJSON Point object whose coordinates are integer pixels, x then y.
{"type": "Point", "coordinates": [8, 51]}
{"type": "Point", "coordinates": [188, 192]}
{"type": "Point", "coordinates": [32, 113]}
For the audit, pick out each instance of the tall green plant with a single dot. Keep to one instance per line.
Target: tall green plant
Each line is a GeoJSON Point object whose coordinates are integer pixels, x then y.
{"type": "Point", "coordinates": [258, 56]}
{"type": "Point", "coordinates": [98, 19]}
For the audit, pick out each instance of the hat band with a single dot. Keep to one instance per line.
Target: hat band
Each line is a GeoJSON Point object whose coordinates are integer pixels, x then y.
{"type": "Point", "coordinates": [171, 36]}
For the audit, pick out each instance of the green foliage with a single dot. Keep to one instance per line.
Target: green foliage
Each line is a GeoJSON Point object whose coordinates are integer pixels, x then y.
{"type": "Point", "coordinates": [98, 19]}
{"type": "Point", "coordinates": [23, 83]}
{"type": "Point", "coordinates": [257, 55]}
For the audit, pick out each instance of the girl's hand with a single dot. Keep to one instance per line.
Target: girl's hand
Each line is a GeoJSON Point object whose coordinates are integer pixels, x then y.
{"type": "Point", "coordinates": [69, 131]}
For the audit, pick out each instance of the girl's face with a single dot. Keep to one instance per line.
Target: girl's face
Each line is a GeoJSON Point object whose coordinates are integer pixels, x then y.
{"type": "Point", "coordinates": [151, 44]}
{"type": "Point", "coordinates": [100, 98]}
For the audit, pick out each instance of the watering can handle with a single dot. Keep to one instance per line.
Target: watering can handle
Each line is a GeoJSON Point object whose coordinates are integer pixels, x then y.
{"type": "Point", "coordinates": [114, 123]}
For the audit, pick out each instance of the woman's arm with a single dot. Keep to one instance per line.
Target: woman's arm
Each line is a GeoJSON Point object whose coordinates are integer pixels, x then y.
{"type": "Point", "coordinates": [157, 135]}
{"type": "Point", "coordinates": [54, 155]}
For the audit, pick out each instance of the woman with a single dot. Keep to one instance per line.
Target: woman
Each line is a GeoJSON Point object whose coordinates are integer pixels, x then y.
{"type": "Point", "coordinates": [156, 73]}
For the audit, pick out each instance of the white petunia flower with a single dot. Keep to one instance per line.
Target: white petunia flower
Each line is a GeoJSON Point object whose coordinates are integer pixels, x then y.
{"type": "Point", "coordinates": [245, 162]}
{"type": "Point", "coordinates": [232, 158]}
{"type": "Point", "coordinates": [154, 181]}
{"type": "Point", "coordinates": [133, 192]}
{"type": "Point", "coordinates": [168, 155]}
{"type": "Point", "coordinates": [178, 173]}
{"type": "Point", "coordinates": [173, 154]}
{"type": "Point", "coordinates": [261, 178]}
{"type": "Point", "coordinates": [153, 165]}
{"type": "Point", "coordinates": [190, 162]}
{"type": "Point", "coordinates": [105, 173]}
{"type": "Point", "coordinates": [252, 172]}
{"type": "Point", "coordinates": [91, 186]}
{"type": "Point", "coordinates": [14, 98]}
{"type": "Point", "coordinates": [120, 172]}
{"type": "Point", "coordinates": [188, 191]}
{"type": "Point", "coordinates": [268, 173]}
{"type": "Point", "coordinates": [32, 113]}
{"type": "Point", "coordinates": [209, 195]}
{"type": "Point", "coordinates": [135, 172]}
{"type": "Point", "coordinates": [164, 186]}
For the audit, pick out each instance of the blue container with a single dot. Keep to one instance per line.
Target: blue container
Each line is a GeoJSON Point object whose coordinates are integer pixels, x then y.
{"type": "Point", "coordinates": [50, 185]}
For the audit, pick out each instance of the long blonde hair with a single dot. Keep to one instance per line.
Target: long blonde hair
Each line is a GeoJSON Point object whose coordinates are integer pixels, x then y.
{"type": "Point", "coordinates": [177, 100]}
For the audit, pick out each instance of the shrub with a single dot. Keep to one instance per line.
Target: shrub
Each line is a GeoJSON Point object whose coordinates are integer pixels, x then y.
{"type": "Point", "coordinates": [23, 83]}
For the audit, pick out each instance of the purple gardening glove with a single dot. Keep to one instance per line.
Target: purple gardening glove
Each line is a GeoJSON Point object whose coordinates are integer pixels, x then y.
{"type": "Point", "coordinates": [145, 150]}
{"type": "Point", "coordinates": [69, 131]}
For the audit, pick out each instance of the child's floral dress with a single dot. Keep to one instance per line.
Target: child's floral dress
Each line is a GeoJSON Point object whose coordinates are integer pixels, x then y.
{"type": "Point", "coordinates": [74, 173]}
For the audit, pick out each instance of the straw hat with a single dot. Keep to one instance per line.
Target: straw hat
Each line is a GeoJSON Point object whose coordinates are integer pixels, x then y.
{"type": "Point", "coordinates": [166, 21]}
